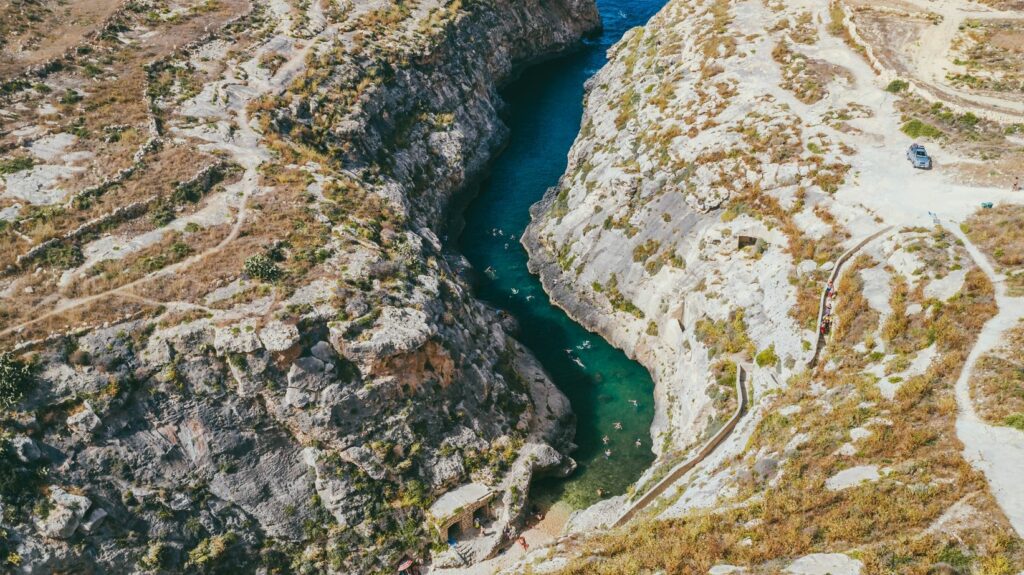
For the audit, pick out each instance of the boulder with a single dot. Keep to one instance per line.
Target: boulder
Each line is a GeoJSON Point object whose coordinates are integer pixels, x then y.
{"type": "Point", "coordinates": [805, 267]}
{"type": "Point", "coordinates": [766, 468]}
{"type": "Point", "coordinates": [307, 376]}
{"type": "Point", "coordinates": [278, 336]}
{"type": "Point", "coordinates": [25, 449]}
{"type": "Point", "coordinates": [238, 338]}
{"type": "Point", "coordinates": [93, 522]}
{"type": "Point", "coordinates": [323, 351]}
{"type": "Point", "coordinates": [65, 514]}
{"type": "Point", "coordinates": [85, 422]}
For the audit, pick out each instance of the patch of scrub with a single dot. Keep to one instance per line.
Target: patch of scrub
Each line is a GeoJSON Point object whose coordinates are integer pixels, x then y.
{"type": "Point", "coordinates": [905, 263]}
{"type": "Point", "coordinates": [217, 211]}
{"type": "Point", "coordinates": [944, 288]}
{"type": "Point", "coordinates": [825, 564]}
{"type": "Point", "coordinates": [811, 225]}
{"type": "Point", "coordinates": [852, 476]}
{"type": "Point", "coordinates": [889, 385]}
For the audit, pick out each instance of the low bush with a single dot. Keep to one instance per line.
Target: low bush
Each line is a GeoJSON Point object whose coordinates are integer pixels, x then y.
{"type": "Point", "coordinates": [261, 267]}
{"type": "Point", "coordinates": [919, 129]}
{"type": "Point", "coordinates": [15, 376]}
{"type": "Point", "coordinates": [767, 357]}
{"type": "Point", "coordinates": [12, 165]}
{"type": "Point", "coordinates": [897, 86]}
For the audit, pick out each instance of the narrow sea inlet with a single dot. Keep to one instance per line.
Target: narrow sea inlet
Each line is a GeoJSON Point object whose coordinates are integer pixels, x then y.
{"type": "Point", "coordinates": [611, 395]}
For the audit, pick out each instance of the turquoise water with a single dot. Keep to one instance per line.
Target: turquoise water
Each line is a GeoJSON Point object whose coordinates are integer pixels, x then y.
{"type": "Point", "coordinates": [544, 114]}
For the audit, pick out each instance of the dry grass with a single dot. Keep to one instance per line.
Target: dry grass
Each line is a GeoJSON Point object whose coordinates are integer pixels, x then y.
{"type": "Point", "coordinates": [883, 522]}
{"type": "Point", "coordinates": [997, 387]}
{"type": "Point", "coordinates": [999, 233]}
{"type": "Point", "coordinates": [806, 78]}
{"type": "Point", "coordinates": [855, 319]}
{"type": "Point", "coordinates": [110, 309]}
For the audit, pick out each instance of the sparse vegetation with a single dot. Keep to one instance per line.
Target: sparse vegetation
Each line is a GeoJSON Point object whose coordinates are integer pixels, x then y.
{"type": "Point", "coordinates": [16, 164]}
{"type": "Point", "coordinates": [897, 86]}
{"type": "Point", "coordinates": [15, 377]}
{"type": "Point", "coordinates": [262, 267]}
{"type": "Point", "coordinates": [999, 234]}
{"type": "Point", "coordinates": [997, 386]}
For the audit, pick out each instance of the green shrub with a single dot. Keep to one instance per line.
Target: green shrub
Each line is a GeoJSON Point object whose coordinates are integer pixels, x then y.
{"type": "Point", "coordinates": [261, 267]}
{"type": "Point", "coordinates": [156, 556]}
{"type": "Point", "coordinates": [15, 376]}
{"type": "Point", "coordinates": [968, 120]}
{"type": "Point", "coordinates": [652, 328]}
{"type": "Point", "coordinates": [13, 165]}
{"type": "Point", "coordinates": [211, 551]}
{"type": "Point", "coordinates": [897, 86]}
{"type": "Point", "coordinates": [70, 97]}
{"type": "Point", "coordinates": [1016, 420]}
{"type": "Point", "coordinates": [162, 213]}
{"type": "Point", "coordinates": [917, 129]}
{"type": "Point", "coordinates": [952, 555]}
{"type": "Point", "coordinates": [63, 256]}
{"type": "Point", "coordinates": [767, 357]}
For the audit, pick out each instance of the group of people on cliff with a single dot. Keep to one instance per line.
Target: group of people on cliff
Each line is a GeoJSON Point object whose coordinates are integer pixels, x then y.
{"type": "Point", "coordinates": [826, 317]}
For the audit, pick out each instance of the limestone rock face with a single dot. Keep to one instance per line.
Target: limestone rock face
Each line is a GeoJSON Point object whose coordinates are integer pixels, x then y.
{"type": "Point", "coordinates": [307, 413]}
{"type": "Point", "coordinates": [279, 336]}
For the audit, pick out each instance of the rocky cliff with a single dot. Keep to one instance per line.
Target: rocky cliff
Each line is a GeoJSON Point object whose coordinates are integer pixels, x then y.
{"type": "Point", "coordinates": [731, 154]}
{"type": "Point", "coordinates": [270, 361]}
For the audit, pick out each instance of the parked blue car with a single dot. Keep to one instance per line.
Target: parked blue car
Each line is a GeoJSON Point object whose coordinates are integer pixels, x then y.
{"type": "Point", "coordinates": [919, 157]}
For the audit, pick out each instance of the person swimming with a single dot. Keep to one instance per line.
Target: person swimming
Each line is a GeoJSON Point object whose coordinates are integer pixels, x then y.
{"type": "Point", "coordinates": [607, 453]}
{"type": "Point", "coordinates": [605, 439]}
{"type": "Point", "coordinates": [634, 402]}
{"type": "Point", "coordinates": [638, 443]}
{"type": "Point", "coordinates": [617, 425]}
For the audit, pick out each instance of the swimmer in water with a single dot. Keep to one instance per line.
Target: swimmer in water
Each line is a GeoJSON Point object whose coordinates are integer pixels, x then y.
{"type": "Point", "coordinates": [634, 402]}
{"type": "Point", "coordinates": [607, 453]}
{"type": "Point", "coordinates": [605, 439]}
{"type": "Point", "coordinates": [617, 425]}
{"type": "Point", "coordinates": [638, 443]}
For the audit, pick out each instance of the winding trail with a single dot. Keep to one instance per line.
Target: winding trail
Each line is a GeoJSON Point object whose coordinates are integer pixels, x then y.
{"type": "Point", "coordinates": [836, 272]}
{"type": "Point", "coordinates": [996, 451]}
{"type": "Point", "coordinates": [244, 148]}
{"type": "Point", "coordinates": [932, 59]}
{"type": "Point", "coordinates": [742, 375]}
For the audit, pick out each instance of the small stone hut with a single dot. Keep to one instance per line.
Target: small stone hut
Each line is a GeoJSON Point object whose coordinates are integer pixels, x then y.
{"type": "Point", "coordinates": [458, 507]}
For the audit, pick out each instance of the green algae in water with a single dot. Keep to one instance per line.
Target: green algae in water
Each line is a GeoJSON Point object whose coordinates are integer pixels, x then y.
{"type": "Point", "coordinates": [545, 108]}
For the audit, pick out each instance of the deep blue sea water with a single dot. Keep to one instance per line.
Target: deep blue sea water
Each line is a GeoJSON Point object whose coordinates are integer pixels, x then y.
{"type": "Point", "coordinates": [544, 114]}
